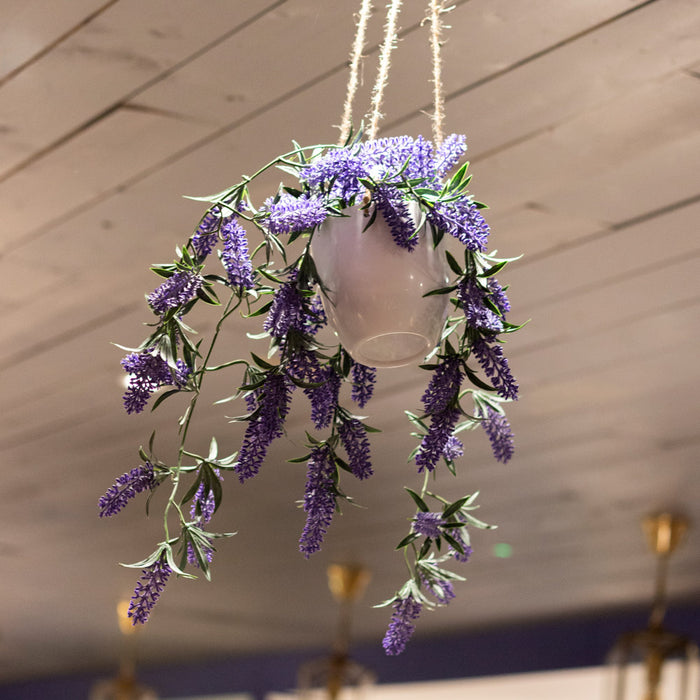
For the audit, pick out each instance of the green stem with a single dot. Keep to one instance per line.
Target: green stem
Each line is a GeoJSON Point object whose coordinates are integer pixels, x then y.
{"type": "Point", "coordinates": [172, 503]}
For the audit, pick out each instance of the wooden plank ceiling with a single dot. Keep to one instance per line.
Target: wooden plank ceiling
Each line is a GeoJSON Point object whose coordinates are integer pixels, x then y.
{"type": "Point", "coordinates": [583, 125]}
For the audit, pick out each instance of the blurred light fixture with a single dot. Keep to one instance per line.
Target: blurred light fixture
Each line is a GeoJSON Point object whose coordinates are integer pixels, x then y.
{"type": "Point", "coordinates": [338, 677]}
{"type": "Point", "coordinates": [124, 686]}
{"type": "Point", "coordinates": [654, 663]}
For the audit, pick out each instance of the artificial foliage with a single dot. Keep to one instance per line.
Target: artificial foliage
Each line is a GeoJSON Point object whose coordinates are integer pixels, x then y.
{"type": "Point", "coordinates": [469, 379]}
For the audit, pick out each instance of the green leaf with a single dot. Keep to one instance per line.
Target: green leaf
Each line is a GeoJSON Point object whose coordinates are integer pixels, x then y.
{"type": "Point", "coordinates": [494, 269]}
{"type": "Point", "coordinates": [454, 265]}
{"type": "Point", "coordinates": [418, 500]}
{"type": "Point", "coordinates": [213, 449]}
{"type": "Point", "coordinates": [441, 290]}
{"type": "Point", "coordinates": [407, 540]}
{"type": "Point", "coordinates": [259, 312]}
{"type": "Point", "coordinates": [262, 363]}
{"type": "Point", "coordinates": [454, 507]}
{"type": "Point", "coordinates": [163, 396]}
{"type": "Point", "coordinates": [476, 381]}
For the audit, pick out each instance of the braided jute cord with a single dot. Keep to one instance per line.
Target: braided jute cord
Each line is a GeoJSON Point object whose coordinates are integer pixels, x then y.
{"type": "Point", "coordinates": [353, 79]}
{"type": "Point", "coordinates": [436, 9]}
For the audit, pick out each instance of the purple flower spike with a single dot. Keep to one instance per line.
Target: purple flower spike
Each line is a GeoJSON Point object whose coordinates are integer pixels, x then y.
{"type": "Point", "coordinates": [315, 316]}
{"type": "Point", "coordinates": [453, 449]}
{"type": "Point", "coordinates": [287, 310]}
{"type": "Point", "coordinates": [273, 405]}
{"type": "Point", "coordinates": [319, 499]}
{"type": "Point", "coordinates": [397, 215]}
{"type": "Point", "coordinates": [204, 238]}
{"type": "Point", "coordinates": [463, 220]}
{"type": "Point", "coordinates": [324, 398]}
{"type": "Point", "coordinates": [401, 627]}
{"type": "Point", "coordinates": [354, 439]}
{"type": "Point", "coordinates": [363, 380]}
{"type": "Point", "coordinates": [449, 152]}
{"type": "Point", "coordinates": [459, 537]}
{"type": "Point", "coordinates": [433, 445]}
{"type": "Point", "coordinates": [428, 524]}
{"type": "Point", "coordinates": [493, 362]}
{"type": "Point", "coordinates": [444, 385]}
{"type": "Point", "coordinates": [294, 214]}
{"type": "Point", "coordinates": [338, 170]}
{"type": "Point", "coordinates": [500, 435]}
{"type": "Point", "coordinates": [192, 557]}
{"type": "Point", "coordinates": [304, 366]}
{"type": "Point", "coordinates": [125, 488]}
{"type": "Point", "coordinates": [442, 590]}
{"type": "Point", "coordinates": [148, 373]}
{"type": "Point", "coordinates": [234, 256]}
{"type": "Point", "coordinates": [176, 291]}
{"type": "Point", "coordinates": [478, 315]}
{"type": "Point", "coordinates": [498, 296]}
{"type": "Point", "coordinates": [148, 590]}
{"type": "Point", "coordinates": [203, 505]}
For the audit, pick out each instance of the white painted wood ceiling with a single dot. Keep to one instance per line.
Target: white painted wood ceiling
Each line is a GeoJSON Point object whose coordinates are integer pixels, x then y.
{"type": "Point", "coordinates": [583, 123]}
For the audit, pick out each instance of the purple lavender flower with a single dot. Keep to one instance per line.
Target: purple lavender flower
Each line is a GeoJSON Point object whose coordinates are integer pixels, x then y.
{"type": "Point", "coordinates": [449, 152]}
{"type": "Point", "coordinates": [444, 385]}
{"type": "Point", "coordinates": [148, 372]}
{"type": "Point", "coordinates": [202, 510]}
{"type": "Point", "coordinates": [401, 627]}
{"type": "Point", "coordinates": [493, 362]}
{"type": "Point", "coordinates": [303, 365]}
{"type": "Point", "coordinates": [319, 499]}
{"type": "Point", "coordinates": [353, 436]}
{"type": "Point", "coordinates": [453, 449]}
{"type": "Point", "coordinates": [205, 237]}
{"type": "Point", "coordinates": [422, 163]}
{"type": "Point", "coordinates": [433, 444]}
{"type": "Point", "coordinates": [363, 380]}
{"type": "Point", "coordinates": [287, 310]}
{"type": "Point", "coordinates": [234, 256]}
{"type": "Point", "coordinates": [500, 435]}
{"type": "Point", "coordinates": [471, 297]}
{"type": "Point", "coordinates": [182, 373]}
{"type": "Point", "coordinates": [459, 534]}
{"type": "Point", "coordinates": [441, 589]}
{"type": "Point", "coordinates": [324, 398]}
{"type": "Point", "coordinates": [176, 291]}
{"type": "Point", "coordinates": [428, 524]}
{"type": "Point", "coordinates": [273, 405]}
{"type": "Point", "coordinates": [125, 488]}
{"type": "Point", "coordinates": [337, 170]}
{"type": "Point", "coordinates": [203, 505]}
{"type": "Point", "coordinates": [464, 558]}
{"type": "Point", "coordinates": [463, 220]}
{"type": "Point", "coordinates": [386, 156]}
{"type": "Point", "coordinates": [498, 296]}
{"type": "Point", "coordinates": [148, 590]}
{"type": "Point", "coordinates": [192, 557]}
{"type": "Point", "coordinates": [315, 318]}
{"type": "Point", "coordinates": [397, 215]}
{"type": "Point", "coordinates": [294, 214]}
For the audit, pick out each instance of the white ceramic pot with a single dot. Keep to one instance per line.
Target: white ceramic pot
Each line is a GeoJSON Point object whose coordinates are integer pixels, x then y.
{"type": "Point", "coordinates": [374, 290]}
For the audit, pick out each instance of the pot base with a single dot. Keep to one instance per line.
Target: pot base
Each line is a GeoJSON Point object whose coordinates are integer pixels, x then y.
{"type": "Point", "coordinates": [392, 349]}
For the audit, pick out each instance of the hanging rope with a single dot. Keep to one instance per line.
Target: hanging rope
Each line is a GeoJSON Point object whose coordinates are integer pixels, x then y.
{"type": "Point", "coordinates": [438, 120]}
{"type": "Point", "coordinates": [353, 80]}
{"type": "Point", "coordinates": [383, 73]}
{"type": "Point", "coordinates": [390, 39]}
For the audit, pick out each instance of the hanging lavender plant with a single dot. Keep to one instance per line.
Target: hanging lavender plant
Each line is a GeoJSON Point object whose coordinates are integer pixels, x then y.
{"type": "Point", "coordinates": [387, 178]}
